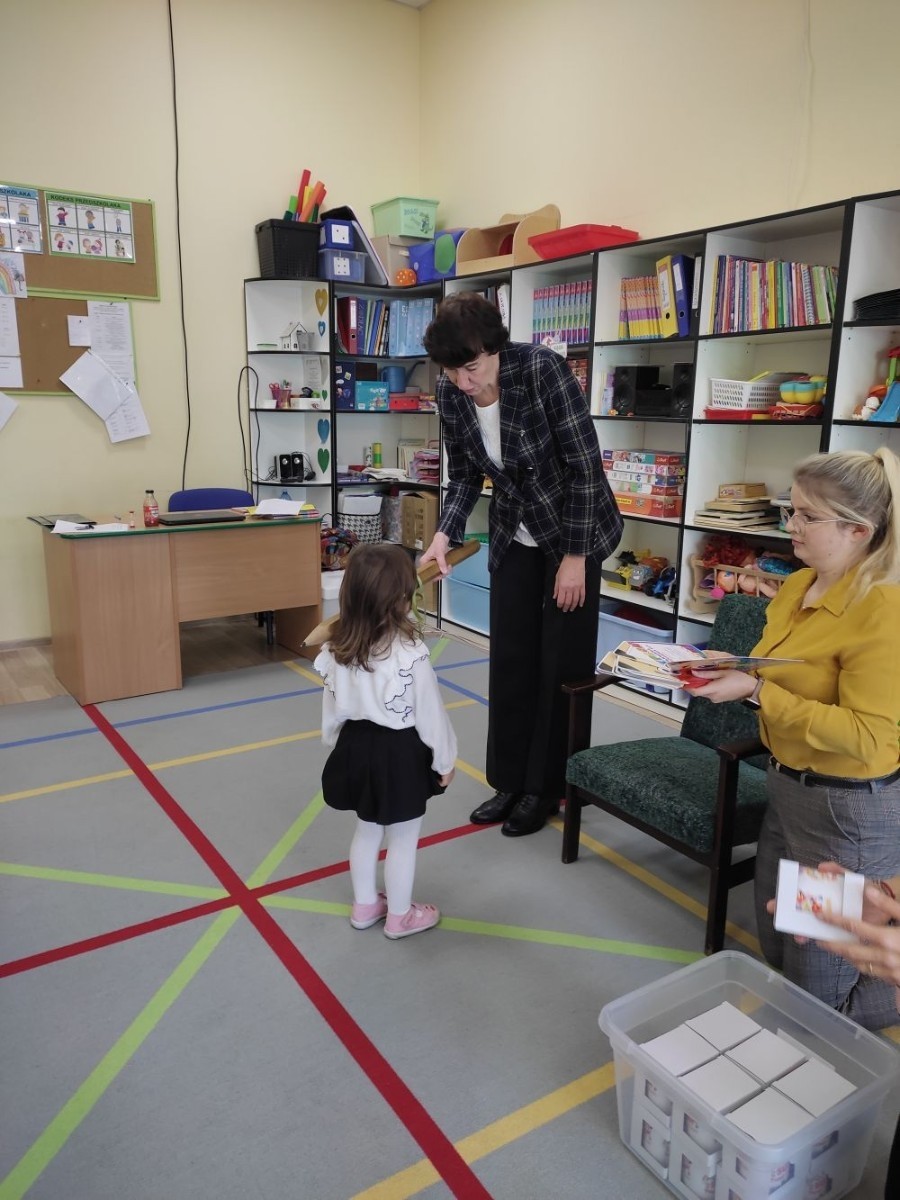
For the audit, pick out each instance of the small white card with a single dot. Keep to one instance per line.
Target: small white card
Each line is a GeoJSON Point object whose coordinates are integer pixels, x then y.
{"type": "Point", "coordinates": [805, 895]}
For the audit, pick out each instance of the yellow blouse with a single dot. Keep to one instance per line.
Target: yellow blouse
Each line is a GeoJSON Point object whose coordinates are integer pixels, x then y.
{"type": "Point", "coordinates": [837, 712]}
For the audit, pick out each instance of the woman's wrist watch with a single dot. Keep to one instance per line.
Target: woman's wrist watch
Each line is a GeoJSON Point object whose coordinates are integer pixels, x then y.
{"type": "Point", "coordinates": [753, 698]}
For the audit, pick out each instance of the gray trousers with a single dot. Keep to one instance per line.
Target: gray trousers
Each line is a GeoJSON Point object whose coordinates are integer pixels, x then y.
{"type": "Point", "coordinates": [860, 830]}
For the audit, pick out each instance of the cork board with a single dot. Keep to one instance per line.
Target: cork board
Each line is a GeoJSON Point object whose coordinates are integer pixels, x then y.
{"type": "Point", "coordinates": [44, 341]}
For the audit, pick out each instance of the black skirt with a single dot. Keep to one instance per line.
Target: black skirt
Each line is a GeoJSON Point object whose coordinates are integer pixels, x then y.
{"type": "Point", "coordinates": [383, 775]}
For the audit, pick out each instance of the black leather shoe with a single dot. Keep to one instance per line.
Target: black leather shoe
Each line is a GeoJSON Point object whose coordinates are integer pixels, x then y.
{"type": "Point", "coordinates": [496, 809]}
{"type": "Point", "coordinates": [528, 816]}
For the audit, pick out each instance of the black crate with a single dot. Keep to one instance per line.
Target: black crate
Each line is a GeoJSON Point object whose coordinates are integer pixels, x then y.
{"type": "Point", "coordinates": [287, 249]}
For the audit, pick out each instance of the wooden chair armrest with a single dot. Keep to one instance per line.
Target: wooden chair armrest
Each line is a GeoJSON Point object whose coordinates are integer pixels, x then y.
{"type": "Point", "coordinates": [581, 687]}
{"type": "Point", "coordinates": [736, 751]}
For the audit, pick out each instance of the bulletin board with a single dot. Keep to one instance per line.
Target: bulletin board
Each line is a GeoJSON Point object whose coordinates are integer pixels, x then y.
{"type": "Point", "coordinates": [44, 341]}
{"type": "Point", "coordinates": [101, 277]}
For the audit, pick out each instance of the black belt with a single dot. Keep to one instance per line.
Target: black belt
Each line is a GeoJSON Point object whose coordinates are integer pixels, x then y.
{"type": "Point", "coordinates": [812, 779]}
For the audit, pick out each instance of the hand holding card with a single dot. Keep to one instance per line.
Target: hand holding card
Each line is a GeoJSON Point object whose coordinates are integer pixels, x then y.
{"type": "Point", "coordinates": [806, 894]}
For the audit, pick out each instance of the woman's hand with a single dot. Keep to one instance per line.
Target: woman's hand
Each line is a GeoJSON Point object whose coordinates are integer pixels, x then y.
{"type": "Point", "coordinates": [568, 588]}
{"type": "Point", "coordinates": [448, 778]}
{"type": "Point", "coordinates": [719, 686]}
{"type": "Point", "coordinates": [877, 952]}
{"type": "Point", "coordinates": [437, 552]}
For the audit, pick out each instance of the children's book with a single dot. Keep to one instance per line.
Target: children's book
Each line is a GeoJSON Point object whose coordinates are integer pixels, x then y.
{"type": "Point", "coordinates": [672, 665]}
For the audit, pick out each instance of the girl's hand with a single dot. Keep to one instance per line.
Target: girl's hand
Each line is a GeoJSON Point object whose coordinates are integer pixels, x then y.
{"type": "Point", "coordinates": [719, 686]}
{"type": "Point", "coordinates": [568, 588]}
{"type": "Point", "coordinates": [437, 552]}
{"type": "Point", "coordinates": [447, 779]}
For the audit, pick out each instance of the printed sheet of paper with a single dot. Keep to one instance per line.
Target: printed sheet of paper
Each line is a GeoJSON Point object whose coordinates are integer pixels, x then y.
{"type": "Point", "coordinates": [111, 335]}
{"type": "Point", "coordinates": [94, 382]}
{"type": "Point", "coordinates": [9, 328]}
{"type": "Point", "coordinates": [7, 407]}
{"type": "Point", "coordinates": [12, 276]}
{"type": "Point", "coordinates": [10, 372]}
{"type": "Point", "coordinates": [79, 331]}
{"type": "Point", "coordinates": [128, 421]}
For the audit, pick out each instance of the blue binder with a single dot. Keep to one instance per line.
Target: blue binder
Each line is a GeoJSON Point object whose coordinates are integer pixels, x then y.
{"type": "Point", "coordinates": [683, 273]}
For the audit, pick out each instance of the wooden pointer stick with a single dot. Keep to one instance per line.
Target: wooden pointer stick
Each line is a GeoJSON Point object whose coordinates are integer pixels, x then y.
{"type": "Point", "coordinates": [325, 629]}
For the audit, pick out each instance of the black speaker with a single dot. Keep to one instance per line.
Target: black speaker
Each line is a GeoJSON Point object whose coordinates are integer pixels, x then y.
{"type": "Point", "coordinates": [627, 381]}
{"type": "Point", "coordinates": [298, 469]}
{"type": "Point", "coordinates": [284, 464]}
{"type": "Point", "coordinates": [682, 389]}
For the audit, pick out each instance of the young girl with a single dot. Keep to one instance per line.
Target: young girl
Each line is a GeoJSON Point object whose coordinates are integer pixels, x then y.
{"type": "Point", "coordinates": [393, 744]}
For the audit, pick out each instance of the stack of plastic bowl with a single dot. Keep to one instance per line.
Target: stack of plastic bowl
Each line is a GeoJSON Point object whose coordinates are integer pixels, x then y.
{"type": "Point", "coordinates": [801, 399]}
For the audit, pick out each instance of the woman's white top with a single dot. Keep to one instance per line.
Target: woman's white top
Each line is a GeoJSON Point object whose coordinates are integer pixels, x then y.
{"type": "Point", "coordinates": [401, 692]}
{"type": "Point", "coordinates": [489, 422]}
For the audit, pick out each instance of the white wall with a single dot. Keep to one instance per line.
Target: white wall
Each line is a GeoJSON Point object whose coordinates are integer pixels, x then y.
{"type": "Point", "coordinates": [263, 90]}
{"type": "Point", "coordinates": [662, 116]}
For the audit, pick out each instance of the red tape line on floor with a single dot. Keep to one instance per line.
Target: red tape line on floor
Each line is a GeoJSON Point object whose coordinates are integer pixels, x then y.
{"type": "Point", "coordinates": [444, 1156]}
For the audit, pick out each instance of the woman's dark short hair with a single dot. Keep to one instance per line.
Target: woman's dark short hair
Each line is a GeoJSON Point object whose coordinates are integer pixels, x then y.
{"type": "Point", "coordinates": [465, 325]}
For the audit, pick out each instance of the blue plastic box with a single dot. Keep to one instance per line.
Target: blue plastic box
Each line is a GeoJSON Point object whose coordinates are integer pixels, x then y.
{"type": "Point", "coordinates": [466, 604]}
{"type": "Point", "coordinates": [337, 235]}
{"type": "Point", "coordinates": [613, 629]}
{"type": "Point", "coordinates": [475, 569]}
{"type": "Point", "coordinates": [344, 266]}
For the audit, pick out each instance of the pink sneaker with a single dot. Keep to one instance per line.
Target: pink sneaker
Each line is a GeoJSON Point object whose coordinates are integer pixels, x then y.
{"type": "Point", "coordinates": [416, 919]}
{"type": "Point", "coordinates": [363, 916]}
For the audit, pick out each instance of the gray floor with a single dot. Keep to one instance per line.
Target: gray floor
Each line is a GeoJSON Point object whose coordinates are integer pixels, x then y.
{"type": "Point", "coordinates": [255, 1051]}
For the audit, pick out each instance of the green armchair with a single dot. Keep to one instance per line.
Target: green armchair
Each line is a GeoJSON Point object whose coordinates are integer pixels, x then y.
{"type": "Point", "coordinates": [702, 793]}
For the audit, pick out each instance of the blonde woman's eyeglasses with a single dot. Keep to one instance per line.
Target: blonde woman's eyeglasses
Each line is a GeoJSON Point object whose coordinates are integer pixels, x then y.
{"type": "Point", "coordinates": [801, 520]}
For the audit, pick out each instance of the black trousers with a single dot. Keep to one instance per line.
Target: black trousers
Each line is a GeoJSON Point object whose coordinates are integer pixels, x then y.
{"type": "Point", "coordinates": [892, 1183]}
{"type": "Point", "coordinates": [535, 648]}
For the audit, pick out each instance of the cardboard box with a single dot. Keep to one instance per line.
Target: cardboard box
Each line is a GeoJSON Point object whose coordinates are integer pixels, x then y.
{"type": "Point", "coordinates": [393, 251]}
{"type": "Point", "coordinates": [721, 1084]}
{"type": "Point", "coordinates": [766, 1055]}
{"type": "Point", "coordinates": [371, 397]}
{"type": "Point", "coordinates": [418, 518]}
{"type": "Point", "coordinates": [674, 458]}
{"type": "Point", "coordinates": [633, 504]}
{"type": "Point", "coordinates": [814, 1087]}
{"type": "Point", "coordinates": [725, 1026]}
{"type": "Point", "coordinates": [680, 1050]}
{"type": "Point", "coordinates": [741, 491]}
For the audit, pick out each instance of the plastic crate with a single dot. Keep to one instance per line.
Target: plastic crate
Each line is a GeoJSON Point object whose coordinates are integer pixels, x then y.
{"type": "Point", "coordinates": [466, 604]}
{"type": "Point", "coordinates": [347, 266]}
{"type": "Point", "coordinates": [287, 249]}
{"type": "Point", "coordinates": [679, 1125]}
{"type": "Point", "coordinates": [739, 393]}
{"type": "Point", "coordinates": [475, 569]}
{"type": "Point", "coordinates": [405, 216]}
{"type": "Point", "coordinates": [612, 629]}
{"type": "Point", "coordinates": [580, 239]}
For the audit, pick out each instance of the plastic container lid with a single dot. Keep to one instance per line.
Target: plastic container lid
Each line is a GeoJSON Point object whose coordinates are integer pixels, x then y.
{"type": "Point", "coordinates": [578, 239]}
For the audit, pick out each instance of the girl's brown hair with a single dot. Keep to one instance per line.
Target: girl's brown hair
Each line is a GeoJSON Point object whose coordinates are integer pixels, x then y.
{"type": "Point", "coordinates": [376, 598]}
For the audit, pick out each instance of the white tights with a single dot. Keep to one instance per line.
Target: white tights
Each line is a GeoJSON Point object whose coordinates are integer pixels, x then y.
{"type": "Point", "coordinates": [399, 863]}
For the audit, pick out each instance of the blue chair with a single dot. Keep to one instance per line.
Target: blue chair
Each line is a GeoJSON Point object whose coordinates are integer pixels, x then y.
{"type": "Point", "coordinates": [195, 499]}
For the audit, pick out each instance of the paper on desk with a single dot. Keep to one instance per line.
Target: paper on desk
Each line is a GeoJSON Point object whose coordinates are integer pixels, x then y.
{"type": "Point", "coordinates": [7, 407]}
{"type": "Point", "coordinates": [278, 508]}
{"type": "Point", "coordinates": [94, 382]}
{"type": "Point", "coordinates": [75, 527]}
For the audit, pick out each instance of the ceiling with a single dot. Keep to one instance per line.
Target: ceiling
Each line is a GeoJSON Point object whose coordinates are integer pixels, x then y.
{"type": "Point", "coordinates": [413, 3]}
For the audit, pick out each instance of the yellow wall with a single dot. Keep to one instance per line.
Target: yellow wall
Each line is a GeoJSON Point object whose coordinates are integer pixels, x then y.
{"type": "Point", "coordinates": [662, 116]}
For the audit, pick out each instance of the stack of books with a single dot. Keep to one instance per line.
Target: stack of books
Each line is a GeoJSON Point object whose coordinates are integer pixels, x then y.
{"type": "Point", "coordinates": [426, 465]}
{"type": "Point", "coordinates": [749, 294]}
{"type": "Point", "coordinates": [639, 308]}
{"type": "Point", "coordinates": [562, 313]}
{"type": "Point", "coordinates": [672, 665]}
{"type": "Point", "coordinates": [750, 513]}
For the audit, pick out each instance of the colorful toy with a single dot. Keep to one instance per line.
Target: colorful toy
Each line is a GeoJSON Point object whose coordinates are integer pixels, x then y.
{"type": "Point", "coordinates": [867, 408]}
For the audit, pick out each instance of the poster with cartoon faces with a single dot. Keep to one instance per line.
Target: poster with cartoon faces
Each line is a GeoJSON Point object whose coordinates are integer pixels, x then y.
{"type": "Point", "coordinates": [93, 226]}
{"type": "Point", "coordinates": [20, 219]}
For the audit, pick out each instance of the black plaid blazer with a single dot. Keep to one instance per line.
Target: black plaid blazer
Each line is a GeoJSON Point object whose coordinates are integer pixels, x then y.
{"type": "Point", "coordinates": [552, 476]}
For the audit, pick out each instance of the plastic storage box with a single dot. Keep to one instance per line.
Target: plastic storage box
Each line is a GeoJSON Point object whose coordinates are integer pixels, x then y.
{"type": "Point", "coordinates": [287, 249]}
{"type": "Point", "coordinates": [698, 1151]}
{"type": "Point", "coordinates": [475, 569]}
{"type": "Point", "coordinates": [466, 604]}
{"type": "Point", "coordinates": [405, 216]}
{"type": "Point", "coordinates": [331, 592]}
{"type": "Point", "coordinates": [346, 265]}
{"type": "Point", "coordinates": [579, 239]}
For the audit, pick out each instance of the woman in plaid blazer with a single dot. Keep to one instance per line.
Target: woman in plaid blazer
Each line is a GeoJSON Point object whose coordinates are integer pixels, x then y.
{"type": "Point", "coordinates": [516, 414]}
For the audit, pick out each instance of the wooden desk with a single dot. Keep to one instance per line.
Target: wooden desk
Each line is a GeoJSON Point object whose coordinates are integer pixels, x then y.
{"type": "Point", "coordinates": [116, 599]}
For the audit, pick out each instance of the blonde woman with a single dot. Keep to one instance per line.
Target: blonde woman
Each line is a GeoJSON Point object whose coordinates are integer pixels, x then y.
{"type": "Point", "coordinates": [831, 720]}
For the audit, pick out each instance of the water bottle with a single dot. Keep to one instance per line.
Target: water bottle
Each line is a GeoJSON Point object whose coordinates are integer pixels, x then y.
{"type": "Point", "coordinates": [151, 509]}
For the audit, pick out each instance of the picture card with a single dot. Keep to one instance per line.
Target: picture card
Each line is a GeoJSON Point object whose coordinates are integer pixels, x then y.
{"type": "Point", "coordinates": [805, 895]}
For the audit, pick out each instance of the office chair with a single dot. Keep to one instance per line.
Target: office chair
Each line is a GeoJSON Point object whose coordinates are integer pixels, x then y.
{"type": "Point", "coordinates": [195, 499]}
{"type": "Point", "coordinates": [701, 793]}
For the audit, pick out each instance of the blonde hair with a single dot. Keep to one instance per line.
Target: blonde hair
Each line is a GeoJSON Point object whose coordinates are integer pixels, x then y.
{"type": "Point", "coordinates": [863, 489]}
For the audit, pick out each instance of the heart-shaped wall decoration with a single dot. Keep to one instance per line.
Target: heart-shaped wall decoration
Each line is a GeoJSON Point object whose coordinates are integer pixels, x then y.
{"type": "Point", "coordinates": [321, 329]}
{"type": "Point", "coordinates": [321, 300]}
{"type": "Point", "coordinates": [324, 428]}
{"type": "Point", "coordinates": [323, 456]}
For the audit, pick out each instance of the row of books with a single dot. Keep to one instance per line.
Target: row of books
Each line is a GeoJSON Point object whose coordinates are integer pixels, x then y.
{"type": "Point", "coordinates": [668, 665]}
{"type": "Point", "coordinates": [380, 328]}
{"type": "Point", "coordinates": [561, 312]}
{"type": "Point", "coordinates": [658, 305]}
{"type": "Point", "coordinates": [750, 294]}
